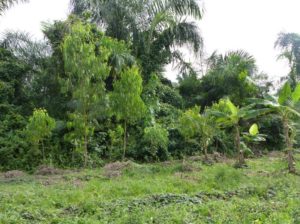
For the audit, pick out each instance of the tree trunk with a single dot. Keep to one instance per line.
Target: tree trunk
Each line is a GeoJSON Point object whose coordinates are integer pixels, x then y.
{"type": "Point", "coordinates": [205, 152]}
{"type": "Point", "coordinates": [43, 151]}
{"type": "Point", "coordinates": [85, 147]}
{"type": "Point", "coordinates": [85, 150]}
{"type": "Point", "coordinates": [125, 141]}
{"type": "Point", "coordinates": [289, 145]}
{"type": "Point", "coordinates": [240, 158]}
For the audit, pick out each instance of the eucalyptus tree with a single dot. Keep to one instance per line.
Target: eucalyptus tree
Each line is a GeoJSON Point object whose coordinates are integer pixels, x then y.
{"type": "Point", "coordinates": [6, 4]}
{"type": "Point", "coordinates": [226, 114]}
{"type": "Point", "coordinates": [153, 27]}
{"type": "Point", "coordinates": [87, 70]}
{"type": "Point", "coordinates": [287, 107]}
{"type": "Point", "coordinates": [126, 102]}
{"type": "Point", "coordinates": [289, 44]}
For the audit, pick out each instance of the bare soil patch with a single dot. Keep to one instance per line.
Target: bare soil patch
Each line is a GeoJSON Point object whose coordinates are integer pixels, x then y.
{"type": "Point", "coordinates": [112, 170]}
{"type": "Point", "coordinates": [13, 174]}
{"type": "Point", "coordinates": [46, 170]}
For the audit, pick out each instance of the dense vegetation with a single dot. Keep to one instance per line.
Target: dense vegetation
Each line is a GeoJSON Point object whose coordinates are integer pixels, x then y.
{"type": "Point", "coordinates": [94, 91]}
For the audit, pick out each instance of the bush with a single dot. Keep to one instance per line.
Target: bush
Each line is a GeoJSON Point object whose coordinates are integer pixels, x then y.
{"type": "Point", "coordinates": [156, 140]}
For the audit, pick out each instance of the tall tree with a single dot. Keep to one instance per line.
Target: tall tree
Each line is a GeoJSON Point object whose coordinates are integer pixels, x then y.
{"type": "Point", "coordinates": [126, 100]}
{"type": "Point", "coordinates": [228, 75]}
{"type": "Point", "coordinates": [87, 70]}
{"type": "Point", "coordinates": [289, 44]}
{"type": "Point", "coordinates": [153, 27]}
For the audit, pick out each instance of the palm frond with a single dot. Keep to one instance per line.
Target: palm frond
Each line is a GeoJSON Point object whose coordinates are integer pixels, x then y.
{"type": "Point", "coordinates": [23, 47]}
{"type": "Point", "coordinates": [6, 4]}
{"type": "Point", "coordinates": [183, 66]}
{"type": "Point", "coordinates": [178, 7]}
{"type": "Point", "coordinates": [181, 34]}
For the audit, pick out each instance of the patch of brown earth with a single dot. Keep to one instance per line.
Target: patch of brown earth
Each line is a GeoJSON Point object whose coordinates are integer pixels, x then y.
{"type": "Point", "coordinates": [13, 174]}
{"type": "Point", "coordinates": [46, 170]}
{"type": "Point", "coordinates": [112, 170]}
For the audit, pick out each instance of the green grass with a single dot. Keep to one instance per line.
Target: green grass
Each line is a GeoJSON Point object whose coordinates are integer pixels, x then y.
{"type": "Point", "coordinates": [157, 193]}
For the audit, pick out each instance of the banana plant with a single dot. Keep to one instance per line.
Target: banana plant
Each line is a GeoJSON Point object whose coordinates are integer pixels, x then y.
{"type": "Point", "coordinates": [252, 137]}
{"type": "Point", "coordinates": [286, 105]}
{"type": "Point", "coordinates": [226, 115]}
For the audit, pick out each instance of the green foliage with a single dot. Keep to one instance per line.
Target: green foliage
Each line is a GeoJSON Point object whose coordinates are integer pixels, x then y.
{"type": "Point", "coordinates": [189, 87]}
{"type": "Point", "coordinates": [126, 99]}
{"type": "Point", "coordinates": [87, 70]}
{"type": "Point", "coordinates": [116, 140]}
{"type": "Point", "coordinates": [153, 27]}
{"type": "Point", "coordinates": [229, 75]}
{"type": "Point", "coordinates": [156, 142]}
{"type": "Point", "coordinates": [226, 114]}
{"type": "Point", "coordinates": [190, 123]}
{"type": "Point", "coordinates": [253, 130]}
{"type": "Point", "coordinates": [103, 92]}
{"type": "Point", "coordinates": [286, 106]}
{"type": "Point", "coordinates": [39, 127]}
{"type": "Point", "coordinates": [126, 102]}
{"type": "Point", "coordinates": [193, 125]}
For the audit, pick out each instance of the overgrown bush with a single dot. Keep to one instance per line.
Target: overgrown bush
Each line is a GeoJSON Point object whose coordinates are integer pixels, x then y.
{"type": "Point", "coordinates": [155, 141]}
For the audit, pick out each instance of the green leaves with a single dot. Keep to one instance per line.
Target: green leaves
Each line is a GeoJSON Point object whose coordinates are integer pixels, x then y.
{"type": "Point", "coordinates": [190, 123]}
{"type": "Point", "coordinates": [126, 101]}
{"type": "Point", "coordinates": [285, 94]}
{"type": "Point", "coordinates": [40, 124]}
{"type": "Point", "coordinates": [253, 130]}
{"type": "Point", "coordinates": [39, 127]}
{"type": "Point", "coordinates": [296, 94]}
{"type": "Point", "coordinates": [197, 127]}
{"type": "Point", "coordinates": [234, 110]}
{"type": "Point", "coordinates": [86, 54]}
{"type": "Point", "coordinates": [156, 138]}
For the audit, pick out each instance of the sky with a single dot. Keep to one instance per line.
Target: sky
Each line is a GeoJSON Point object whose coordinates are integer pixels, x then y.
{"type": "Point", "coordinates": [251, 25]}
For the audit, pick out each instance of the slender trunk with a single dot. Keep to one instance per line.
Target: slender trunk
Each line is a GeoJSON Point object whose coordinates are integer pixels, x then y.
{"type": "Point", "coordinates": [85, 149]}
{"type": "Point", "coordinates": [125, 141]}
{"type": "Point", "coordinates": [289, 145]}
{"type": "Point", "coordinates": [85, 141]}
{"type": "Point", "coordinates": [240, 158]}
{"type": "Point", "coordinates": [43, 151]}
{"type": "Point", "coordinates": [205, 152]}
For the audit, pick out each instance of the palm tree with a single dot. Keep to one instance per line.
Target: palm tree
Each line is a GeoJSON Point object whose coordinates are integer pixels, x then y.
{"type": "Point", "coordinates": [24, 47]}
{"type": "Point", "coordinates": [6, 4]}
{"type": "Point", "coordinates": [226, 114]}
{"type": "Point", "coordinates": [153, 27]}
{"type": "Point", "coordinates": [286, 106]}
{"type": "Point", "coordinates": [230, 76]}
{"type": "Point", "coordinates": [289, 44]}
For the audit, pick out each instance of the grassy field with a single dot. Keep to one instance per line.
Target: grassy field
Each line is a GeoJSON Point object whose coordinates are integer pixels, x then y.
{"type": "Point", "coordinates": [174, 192]}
